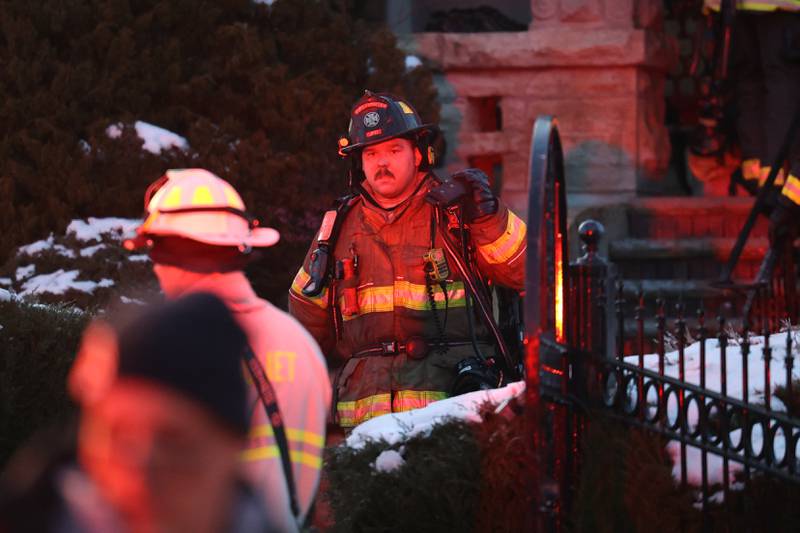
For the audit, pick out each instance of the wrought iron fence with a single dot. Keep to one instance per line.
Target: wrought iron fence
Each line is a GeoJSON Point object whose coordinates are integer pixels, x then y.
{"type": "Point", "coordinates": [580, 357]}
{"type": "Point", "coordinates": [703, 418]}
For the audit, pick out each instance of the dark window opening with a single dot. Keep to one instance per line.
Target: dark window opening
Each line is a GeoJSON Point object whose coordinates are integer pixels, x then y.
{"type": "Point", "coordinates": [488, 113]}
{"type": "Point", "coordinates": [454, 16]}
{"type": "Point", "coordinates": [472, 20]}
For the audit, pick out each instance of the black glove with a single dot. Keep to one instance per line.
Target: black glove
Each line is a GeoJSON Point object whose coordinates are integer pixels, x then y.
{"type": "Point", "coordinates": [480, 200]}
{"type": "Point", "coordinates": [783, 221]}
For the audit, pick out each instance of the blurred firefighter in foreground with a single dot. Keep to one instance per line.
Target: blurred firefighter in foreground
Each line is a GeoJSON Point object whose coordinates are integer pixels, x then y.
{"type": "Point", "coordinates": [200, 238]}
{"type": "Point", "coordinates": [765, 62]}
{"type": "Point", "coordinates": [163, 421]}
{"type": "Point", "coordinates": [394, 279]}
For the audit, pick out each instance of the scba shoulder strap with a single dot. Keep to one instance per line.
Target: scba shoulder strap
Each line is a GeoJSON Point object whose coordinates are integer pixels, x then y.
{"type": "Point", "coordinates": [320, 269]}
{"type": "Point", "coordinates": [270, 402]}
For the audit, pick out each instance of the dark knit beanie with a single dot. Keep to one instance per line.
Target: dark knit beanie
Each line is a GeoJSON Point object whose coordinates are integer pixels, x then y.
{"type": "Point", "coordinates": [192, 346]}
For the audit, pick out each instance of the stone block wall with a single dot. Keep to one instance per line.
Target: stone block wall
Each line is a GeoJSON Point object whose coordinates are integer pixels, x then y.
{"type": "Point", "coordinates": [597, 65]}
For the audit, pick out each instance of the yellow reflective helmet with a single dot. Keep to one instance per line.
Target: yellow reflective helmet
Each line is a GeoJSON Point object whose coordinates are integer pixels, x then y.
{"type": "Point", "coordinates": [195, 204]}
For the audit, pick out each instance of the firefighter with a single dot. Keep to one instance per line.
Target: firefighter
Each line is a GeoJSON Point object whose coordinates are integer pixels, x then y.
{"type": "Point", "coordinates": [163, 420]}
{"type": "Point", "coordinates": [396, 316]}
{"type": "Point", "coordinates": [200, 238]}
{"type": "Point", "coordinates": [766, 67]}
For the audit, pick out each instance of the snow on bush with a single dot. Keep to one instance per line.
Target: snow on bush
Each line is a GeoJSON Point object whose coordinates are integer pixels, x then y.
{"type": "Point", "coordinates": [94, 229]}
{"type": "Point", "coordinates": [155, 139]}
{"type": "Point", "coordinates": [389, 461]}
{"type": "Point", "coordinates": [395, 428]}
{"type": "Point", "coordinates": [86, 267]}
{"type": "Point", "coordinates": [413, 62]}
{"type": "Point", "coordinates": [59, 282]}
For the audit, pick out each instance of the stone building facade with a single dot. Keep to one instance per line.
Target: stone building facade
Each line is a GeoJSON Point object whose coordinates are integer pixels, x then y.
{"type": "Point", "coordinates": [599, 66]}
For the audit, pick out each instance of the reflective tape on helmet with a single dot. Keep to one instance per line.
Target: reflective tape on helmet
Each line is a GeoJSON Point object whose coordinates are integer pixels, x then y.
{"type": "Point", "coordinates": [196, 204]}
{"type": "Point", "coordinates": [406, 109]}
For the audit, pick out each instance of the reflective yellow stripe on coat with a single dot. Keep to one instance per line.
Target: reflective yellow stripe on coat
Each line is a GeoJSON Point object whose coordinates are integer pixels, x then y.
{"type": "Point", "coordinates": [311, 443]}
{"type": "Point", "coordinates": [791, 189]}
{"type": "Point", "coordinates": [405, 400]}
{"type": "Point", "coordinates": [509, 245]}
{"type": "Point", "coordinates": [385, 299]}
{"type": "Point", "coordinates": [300, 281]}
{"type": "Point", "coordinates": [353, 413]}
{"type": "Point", "coordinates": [763, 5]}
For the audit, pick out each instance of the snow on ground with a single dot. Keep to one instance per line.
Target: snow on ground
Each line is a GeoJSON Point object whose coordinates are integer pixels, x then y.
{"type": "Point", "coordinates": [93, 229]}
{"type": "Point", "coordinates": [59, 282]}
{"type": "Point", "coordinates": [155, 139]}
{"type": "Point", "coordinates": [755, 388]}
{"type": "Point", "coordinates": [6, 281]}
{"type": "Point", "coordinates": [394, 428]}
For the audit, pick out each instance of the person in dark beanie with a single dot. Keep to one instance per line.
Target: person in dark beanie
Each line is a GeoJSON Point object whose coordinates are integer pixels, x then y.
{"type": "Point", "coordinates": [200, 236]}
{"type": "Point", "coordinates": [163, 420]}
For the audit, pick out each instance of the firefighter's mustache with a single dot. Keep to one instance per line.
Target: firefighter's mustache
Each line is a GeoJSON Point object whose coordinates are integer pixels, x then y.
{"type": "Point", "coordinates": [383, 172]}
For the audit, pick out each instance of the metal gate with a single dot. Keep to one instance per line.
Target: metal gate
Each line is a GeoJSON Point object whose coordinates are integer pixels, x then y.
{"type": "Point", "coordinates": [575, 362]}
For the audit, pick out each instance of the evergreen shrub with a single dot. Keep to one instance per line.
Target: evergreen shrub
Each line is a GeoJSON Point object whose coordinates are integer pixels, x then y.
{"type": "Point", "coordinates": [462, 477]}
{"type": "Point", "coordinates": [37, 346]}
{"type": "Point", "coordinates": [128, 277]}
{"type": "Point", "coordinates": [261, 93]}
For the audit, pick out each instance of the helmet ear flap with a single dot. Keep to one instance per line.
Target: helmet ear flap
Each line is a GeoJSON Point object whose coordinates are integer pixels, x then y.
{"type": "Point", "coordinates": [356, 174]}
{"type": "Point", "coordinates": [425, 147]}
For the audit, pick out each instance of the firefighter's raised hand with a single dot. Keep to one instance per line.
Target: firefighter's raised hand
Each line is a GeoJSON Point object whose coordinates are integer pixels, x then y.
{"type": "Point", "coordinates": [480, 201]}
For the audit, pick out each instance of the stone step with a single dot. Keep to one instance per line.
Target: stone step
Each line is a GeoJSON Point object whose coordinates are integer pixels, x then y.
{"type": "Point", "coordinates": [689, 258]}
{"type": "Point", "coordinates": [717, 248]}
{"type": "Point", "coordinates": [671, 289]}
{"type": "Point", "coordinates": [681, 217]}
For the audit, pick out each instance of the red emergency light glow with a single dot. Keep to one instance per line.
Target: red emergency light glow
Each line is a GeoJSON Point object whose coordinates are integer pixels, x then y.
{"type": "Point", "coordinates": [559, 264]}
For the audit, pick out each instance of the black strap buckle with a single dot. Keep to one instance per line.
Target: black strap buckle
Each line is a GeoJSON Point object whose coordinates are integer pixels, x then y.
{"type": "Point", "coordinates": [389, 347]}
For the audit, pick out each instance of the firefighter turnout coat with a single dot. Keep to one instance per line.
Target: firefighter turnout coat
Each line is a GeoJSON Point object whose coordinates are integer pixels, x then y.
{"type": "Point", "coordinates": [377, 373]}
{"type": "Point", "coordinates": [299, 375]}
